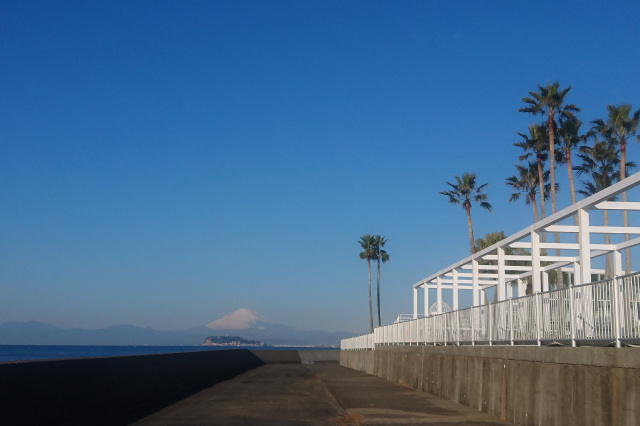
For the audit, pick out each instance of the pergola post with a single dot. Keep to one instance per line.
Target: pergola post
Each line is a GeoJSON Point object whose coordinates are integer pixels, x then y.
{"type": "Point", "coordinates": [455, 289]}
{"type": "Point", "coordinates": [535, 262]}
{"type": "Point", "coordinates": [475, 283]}
{"type": "Point", "coordinates": [426, 299]}
{"type": "Point", "coordinates": [522, 288]}
{"type": "Point", "coordinates": [585, 251]}
{"type": "Point", "coordinates": [501, 274]}
{"type": "Point", "coordinates": [576, 272]}
{"type": "Point", "coordinates": [439, 294]}
{"type": "Point", "coordinates": [617, 263]}
{"type": "Point", "coordinates": [415, 302]}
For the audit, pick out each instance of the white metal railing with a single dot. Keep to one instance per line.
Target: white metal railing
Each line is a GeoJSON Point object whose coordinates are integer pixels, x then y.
{"type": "Point", "coordinates": [602, 313]}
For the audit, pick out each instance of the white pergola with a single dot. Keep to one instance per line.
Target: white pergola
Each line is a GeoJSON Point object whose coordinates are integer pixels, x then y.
{"type": "Point", "coordinates": [507, 271]}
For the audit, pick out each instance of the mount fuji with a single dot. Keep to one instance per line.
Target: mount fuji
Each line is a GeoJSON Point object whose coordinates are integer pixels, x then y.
{"type": "Point", "coordinates": [241, 322]}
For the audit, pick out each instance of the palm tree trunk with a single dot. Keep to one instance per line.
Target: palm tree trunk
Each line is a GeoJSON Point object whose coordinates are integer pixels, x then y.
{"type": "Point", "coordinates": [572, 189]}
{"type": "Point", "coordinates": [625, 223]}
{"type": "Point", "coordinates": [543, 235]}
{"type": "Point", "coordinates": [532, 197]}
{"type": "Point", "coordinates": [467, 207]}
{"type": "Point", "coordinates": [552, 161]}
{"type": "Point", "coordinates": [541, 183]}
{"type": "Point", "coordinates": [370, 304]}
{"type": "Point", "coordinates": [379, 322]}
{"type": "Point", "coordinates": [552, 168]}
{"type": "Point", "coordinates": [623, 197]}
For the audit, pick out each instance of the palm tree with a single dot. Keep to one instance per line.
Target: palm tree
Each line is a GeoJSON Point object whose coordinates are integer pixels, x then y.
{"type": "Point", "coordinates": [549, 101]}
{"type": "Point", "coordinates": [367, 243]}
{"type": "Point", "coordinates": [465, 191]}
{"type": "Point", "coordinates": [381, 256]}
{"type": "Point", "coordinates": [620, 126]}
{"type": "Point", "coordinates": [527, 183]}
{"type": "Point", "coordinates": [536, 144]}
{"type": "Point", "coordinates": [570, 139]}
{"type": "Point", "coordinates": [600, 161]}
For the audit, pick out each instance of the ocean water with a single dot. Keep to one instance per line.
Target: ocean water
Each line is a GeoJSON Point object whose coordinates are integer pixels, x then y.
{"type": "Point", "coordinates": [43, 352]}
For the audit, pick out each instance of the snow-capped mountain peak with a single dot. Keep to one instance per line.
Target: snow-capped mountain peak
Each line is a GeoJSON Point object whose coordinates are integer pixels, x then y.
{"type": "Point", "coordinates": [239, 319]}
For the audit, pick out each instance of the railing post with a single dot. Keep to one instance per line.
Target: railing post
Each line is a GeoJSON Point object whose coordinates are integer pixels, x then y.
{"type": "Point", "coordinates": [473, 333]}
{"type": "Point", "coordinates": [444, 328]}
{"type": "Point", "coordinates": [511, 321]}
{"type": "Point", "coordinates": [457, 327]}
{"type": "Point", "coordinates": [616, 309]}
{"type": "Point", "coordinates": [411, 332]}
{"type": "Point", "coordinates": [572, 316]}
{"type": "Point", "coordinates": [426, 331]}
{"type": "Point", "coordinates": [490, 324]}
{"type": "Point", "coordinates": [538, 296]}
{"type": "Point", "coordinates": [433, 328]}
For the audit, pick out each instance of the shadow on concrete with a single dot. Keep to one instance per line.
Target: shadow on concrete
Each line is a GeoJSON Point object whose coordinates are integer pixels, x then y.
{"type": "Point", "coordinates": [111, 390]}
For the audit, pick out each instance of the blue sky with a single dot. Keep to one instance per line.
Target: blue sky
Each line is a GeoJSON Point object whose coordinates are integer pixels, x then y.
{"type": "Point", "coordinates": [165, 163]}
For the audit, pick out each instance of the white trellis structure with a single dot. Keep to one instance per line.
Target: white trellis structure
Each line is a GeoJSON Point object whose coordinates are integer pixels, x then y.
{"type": "Point", "coordinates": [589, 310]}
{"type": "Point", "coordinates": [507, 272]}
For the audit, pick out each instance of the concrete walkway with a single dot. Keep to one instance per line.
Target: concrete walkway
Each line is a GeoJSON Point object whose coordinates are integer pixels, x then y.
{"type": "Point", "coordinates": [315, 394]}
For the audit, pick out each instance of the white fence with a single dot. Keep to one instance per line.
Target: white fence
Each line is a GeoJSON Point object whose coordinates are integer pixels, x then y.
{"type": "Point", "coordinates": [603, 313]}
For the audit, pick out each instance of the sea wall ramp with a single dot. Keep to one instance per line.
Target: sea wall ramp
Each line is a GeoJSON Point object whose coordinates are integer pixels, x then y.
{"type": "Point", "coordinates": [523, 385]}
{"type": "Point", "coordinates": [119, 390]}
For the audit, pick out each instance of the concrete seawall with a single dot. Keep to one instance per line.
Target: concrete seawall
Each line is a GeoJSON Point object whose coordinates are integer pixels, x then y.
{"type": "Point", "coordinates": [523, 385]}
{"type": "Point", "coordinates": [119, 390]}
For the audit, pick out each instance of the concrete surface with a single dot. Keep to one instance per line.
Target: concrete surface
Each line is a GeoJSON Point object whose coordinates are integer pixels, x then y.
{"type": "Point", "coordinates": [313, 394]}
{"type": "Point", "coordinates": [119, 390]}
{"type": "Point", "coordinates": [523, 385]}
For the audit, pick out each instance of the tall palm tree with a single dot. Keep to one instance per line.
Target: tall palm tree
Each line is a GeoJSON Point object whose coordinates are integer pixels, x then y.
{"type": "Point", "coordinates": [620, 126]}
{"type": "Point", "coordinates": [527, 183]}
{"type": "Point", "coordinates": [536, 144]}
{"type": "Point", "coordinates": [381, 256]}
{"type": "Point", "coordinates": [549, 101]}
{"type": "Point", "coordinates": [570, 139]}
{"type": "Point", "coordinates": [368, 253]}
{"type": "Point", "coordinates": [465, 191]}
{"type": "Point", "coordinates": [601, 162]}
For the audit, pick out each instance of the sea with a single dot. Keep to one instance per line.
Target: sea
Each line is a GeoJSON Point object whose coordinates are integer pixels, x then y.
{"type": "Point", "coordinates": [10, 353]}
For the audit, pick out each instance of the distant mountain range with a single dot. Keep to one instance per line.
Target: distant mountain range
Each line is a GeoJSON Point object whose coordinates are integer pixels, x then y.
{"type": "Point", "coordinates": [242, 322]}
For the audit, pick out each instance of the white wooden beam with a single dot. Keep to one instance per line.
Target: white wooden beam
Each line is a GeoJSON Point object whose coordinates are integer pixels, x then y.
{"type": "Point", "coordinates": [630, 243]}
{"type": "Point", "coordinates": [617, 205]}
{"type": "Point", "coordinates": [614, 230]}
{"type": "Point", "coordinates": [562, 228]}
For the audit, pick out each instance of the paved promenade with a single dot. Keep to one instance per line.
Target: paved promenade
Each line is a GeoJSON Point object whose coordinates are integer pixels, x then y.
{"type": "Point", "coordinates": [314, 394]}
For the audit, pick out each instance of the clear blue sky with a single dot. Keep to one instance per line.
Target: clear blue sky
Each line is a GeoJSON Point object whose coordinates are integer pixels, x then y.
{"type": "Point", "coordinates": [165, 163]}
